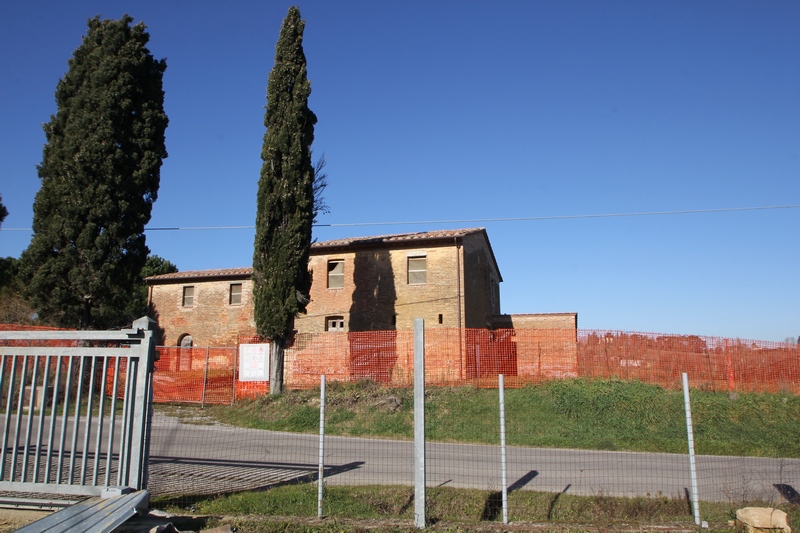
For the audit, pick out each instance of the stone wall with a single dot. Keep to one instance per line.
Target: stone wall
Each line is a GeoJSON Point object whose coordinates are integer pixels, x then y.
{"type": "Point", "coordinates": [377, 295]}
{"type": "Point", "coordinates": [211, 320]}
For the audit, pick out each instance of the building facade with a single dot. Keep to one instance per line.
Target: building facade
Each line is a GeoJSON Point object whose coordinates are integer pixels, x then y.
{"type": "Point", "coordinates": [449, 278]}
{"type": "Point", "coordinates": [202, 308]}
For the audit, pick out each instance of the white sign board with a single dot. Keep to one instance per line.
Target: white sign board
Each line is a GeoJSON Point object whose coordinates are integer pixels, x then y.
{"type": "Point", "coordinates": [254, 362]}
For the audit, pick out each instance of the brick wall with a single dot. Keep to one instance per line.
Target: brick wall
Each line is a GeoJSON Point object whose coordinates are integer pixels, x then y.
{"type": "Point", "coordinates": [211, 320]}
{"type": "Point", "coordinates": [377, 295]}
{"type": "Point", "coordinates": [460, 290]}
{"type": "Point", "coordinates": [482, 286]}
{"type": "Point", "coordinates": [568, 321]}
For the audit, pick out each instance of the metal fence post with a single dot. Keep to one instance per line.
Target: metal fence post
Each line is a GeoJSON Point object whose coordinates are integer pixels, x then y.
{"type": "Point", "coordinates": [233, 384]}
{"type": "Point", "coordinates": [205, 383]}
{"type": "Point", "coordinates": [504, 481]}
{"type": "Point", "coordinates": [690, 433]}
{"type": "Point", "coordinates": [419, 423]}
{"type": "Point", "coordinates": [321, 475]}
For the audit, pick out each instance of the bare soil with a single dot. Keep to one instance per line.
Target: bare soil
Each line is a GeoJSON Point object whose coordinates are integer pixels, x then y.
{"type": "Point", "coordinates": [13, 519]}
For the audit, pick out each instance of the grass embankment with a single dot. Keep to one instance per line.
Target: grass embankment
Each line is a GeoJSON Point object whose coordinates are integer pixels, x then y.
{"type": "Point", "coordinates": [597, 415]}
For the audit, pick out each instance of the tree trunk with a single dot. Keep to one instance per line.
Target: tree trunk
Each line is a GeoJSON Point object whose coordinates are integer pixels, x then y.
{"type": "Point", "coordinates": [276, 367]}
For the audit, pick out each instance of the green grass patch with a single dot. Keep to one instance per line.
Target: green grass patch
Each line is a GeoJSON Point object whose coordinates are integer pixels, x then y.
{"type": "Point", "coordinates": [582, 414]}
{"type": "Point", "coordinates": [468, 508]}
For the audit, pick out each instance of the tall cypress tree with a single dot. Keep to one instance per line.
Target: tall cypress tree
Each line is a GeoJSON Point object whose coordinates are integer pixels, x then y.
{"type": "Point", "coordinates": [285, 202]}
{"type": "Point", "coordinates": [3, 211]}
{"type": "Point", "coordinates": [100, 174]}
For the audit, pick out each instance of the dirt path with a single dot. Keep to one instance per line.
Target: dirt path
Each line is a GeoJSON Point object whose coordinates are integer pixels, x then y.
{"type": "Point", "coordinates": [13, 519]}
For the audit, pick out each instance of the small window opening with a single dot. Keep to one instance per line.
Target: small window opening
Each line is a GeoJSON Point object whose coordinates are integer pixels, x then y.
{"type": "Point", "coordinates": [440, 318]}
{"type": "Point", "coordinates": [417, 270]}
{"type": "Point", "coordinates": [188, 296]}
{"type": "Point", "coordinates": [334, 323]}
{"type": "Point", "coordinates": [336, 274]}
{"type": "Point", "coordinates": [235, 297]}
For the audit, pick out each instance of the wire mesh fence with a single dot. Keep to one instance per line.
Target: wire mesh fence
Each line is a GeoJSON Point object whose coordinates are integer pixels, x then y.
{"type": "Point", "coordinates": [193, 454]}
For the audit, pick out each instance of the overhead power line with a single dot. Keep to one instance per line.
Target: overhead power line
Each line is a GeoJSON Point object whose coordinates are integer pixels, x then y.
{"type": "Point", "coordinates": [481, 220]}
{"type": "Point", "coordinates": [565, 217]}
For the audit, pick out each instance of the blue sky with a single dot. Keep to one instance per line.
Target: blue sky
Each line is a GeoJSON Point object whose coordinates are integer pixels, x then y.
{"type": "Point", "coordinates": [437, 111]}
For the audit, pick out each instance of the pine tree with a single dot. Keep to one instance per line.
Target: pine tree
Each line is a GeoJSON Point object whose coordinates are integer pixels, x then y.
{"type": "Point", "coordinates": [285, 202]}
{"type": "Point", "coordinates": [100, 174]}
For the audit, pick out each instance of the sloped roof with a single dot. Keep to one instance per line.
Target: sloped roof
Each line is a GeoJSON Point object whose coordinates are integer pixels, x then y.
{"type": "Point", "coordinates": [221, 273]}
{"type": "Point", "coordinates": [397, 239]}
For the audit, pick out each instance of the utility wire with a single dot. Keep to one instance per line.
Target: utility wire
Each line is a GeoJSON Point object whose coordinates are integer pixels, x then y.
{"type": "Point", "coordinates": [479, 220]}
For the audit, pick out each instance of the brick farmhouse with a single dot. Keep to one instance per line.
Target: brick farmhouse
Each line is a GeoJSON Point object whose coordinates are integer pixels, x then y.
{"type": "Point", "coordinates": [449, 278]}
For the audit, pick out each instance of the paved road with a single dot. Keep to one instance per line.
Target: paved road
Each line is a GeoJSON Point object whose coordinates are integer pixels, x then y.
{"type": "Point", "coordinates": [202, 459]}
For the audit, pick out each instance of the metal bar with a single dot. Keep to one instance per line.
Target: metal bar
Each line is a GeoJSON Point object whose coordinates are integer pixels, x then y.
{"type": "Point", "coordinates": [35, 504]}
{"type": "Point", "coordinates": [75, 427]}
{"type": "Point", "coordinates": [503, 477]}
{"type": "Point", "coordinates": [235, 370]}
{"type": "Point", "coordinates": [149, 356]}
{"type": "Point", "coordinates": [145, 468]}
{"type": "Point", "coordinates": [2, 371]}
{"type": "Point", "coordinates": [89, 408]}
{"type": "Point", "coordinates": [419, 423]}
{"type": "Point", "coordinates": [2, 382]}
{"type": "Point", "coordinates": [96, 514]}
{"type": "Point", "coordinates": [126, 335]}
{"type": "Point", "coordinates": [18, 424]}
{"type": "Point", "coordinates": [53, 410]}
{"type": "Point", "coordinates": [29, 426]}
{"type": "Point", "coordinates": [690, 433]}
{"type": "Point", "coordinates": [205, 382]}
{"type": "Point", "coordinates": [113, 407]}
{"type": "Point", "coordinates": [45, 488]}
{"type": "Point", "coordinates": [321, 475]}
{"type": "Point", "coordinates": [40, 432]}
{"type": "Point", "coordinates": [100, 413]}
{"type": "Point", "coordinates": [139, 415]}
{"type": "Point", "coordinates": [123, 438]}
{"type": "Point", "coordinates": [68, 351]}
{"type": "Point", "coordinates": [7, 424]}
{"type": "Point", "coordinates": [127, 420]}
{"type": "Point", "coordinates": [64, 418]}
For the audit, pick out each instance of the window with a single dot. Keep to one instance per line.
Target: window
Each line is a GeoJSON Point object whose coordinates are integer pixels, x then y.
{"type": "Point", "coordinates": [334, 323]}
{"type": "Point", "coordinates": [417, 270]}
{"type": "Point", "coordinates": [336, 274]}
{"type": "Point", "coordinates": [236, 294]}
{"type": "Point", "coordinates": [188, 296]}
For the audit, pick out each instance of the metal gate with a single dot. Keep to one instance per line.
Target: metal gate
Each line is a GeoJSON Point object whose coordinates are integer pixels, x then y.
{"type": "Point", "coordinates": [75, 410]}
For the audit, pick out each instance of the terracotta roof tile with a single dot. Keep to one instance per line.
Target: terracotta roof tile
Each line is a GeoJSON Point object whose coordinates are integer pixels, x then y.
{"type": "Point", "coordinates": [243, 272]}
{"type": "Point", "coordinates": [397, 238]}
